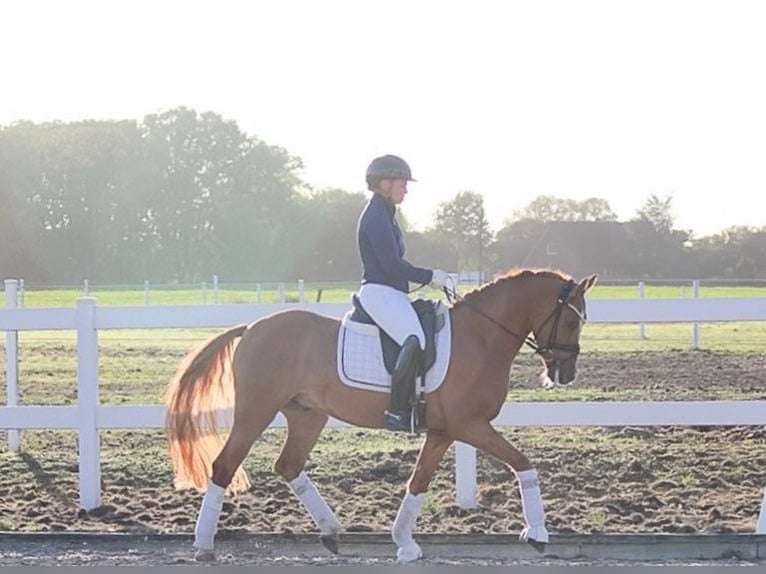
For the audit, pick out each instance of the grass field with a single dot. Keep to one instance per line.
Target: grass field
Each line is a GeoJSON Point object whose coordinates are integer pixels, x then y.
{"type": "Point", "coordinates": [326, 292]}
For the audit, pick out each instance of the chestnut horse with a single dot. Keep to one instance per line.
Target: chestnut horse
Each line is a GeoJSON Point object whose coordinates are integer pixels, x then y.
{"type": "Point", "coordinates": [287, 363]}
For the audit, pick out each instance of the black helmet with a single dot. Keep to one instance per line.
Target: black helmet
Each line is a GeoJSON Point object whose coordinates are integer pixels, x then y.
{"type": "Point", "coordinates": [387, 167]}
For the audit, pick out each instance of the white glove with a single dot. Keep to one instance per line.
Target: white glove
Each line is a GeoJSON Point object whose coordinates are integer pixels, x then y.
{"type": "Point", "coordinates": [440, 278]}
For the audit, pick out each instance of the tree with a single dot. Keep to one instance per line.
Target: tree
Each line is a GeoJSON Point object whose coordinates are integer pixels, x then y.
{"type": "Point", "coordinates": [545, 208]}
{"type": "Point", "coordinates": [660, 250]}
{"type": "Point", "coordinates": [595, 209]}
{"type": "Point", "coordinates": [257, 218]}
{"type": "Point", "coordinates": [179, 197]}
{"type": "Point", "coordinates": [20, 231]}
{"type": "Point", "coordinates": [325, 246]}
{"type": "Point", "coordinates": [63, 183]}
{"type": "Point", "coordinates": [738, 251]}
{"type": "Point", "coordinates": [463, 224]}
{"type": "Point", "coordinates": [516, 242]}
{"type": "Point", "coordinates": [220, 198]}
{"type": "Point", "coordinates": [658, 211]}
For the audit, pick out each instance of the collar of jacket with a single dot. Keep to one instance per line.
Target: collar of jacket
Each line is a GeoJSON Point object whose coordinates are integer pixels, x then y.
{"type": "Point", "coordinates": [385, 202]}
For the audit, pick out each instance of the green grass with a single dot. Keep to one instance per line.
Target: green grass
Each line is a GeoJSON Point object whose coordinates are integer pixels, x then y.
{"type": "Point", "coordinates": [330, 293]}
{"type": "Point", "coordinates": [732, 337]}
{"type": "Point", "coordinates": [672, 292]}
{"type": "Point", "coordinates": [267, 293]}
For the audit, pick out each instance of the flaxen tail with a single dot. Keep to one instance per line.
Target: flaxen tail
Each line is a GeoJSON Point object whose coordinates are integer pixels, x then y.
{"type": "Point", "coordinates": [202, 385]}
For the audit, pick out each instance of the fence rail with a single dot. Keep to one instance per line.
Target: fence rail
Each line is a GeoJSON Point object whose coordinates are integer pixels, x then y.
{"type": "Point", "coordinates": [89, 416]}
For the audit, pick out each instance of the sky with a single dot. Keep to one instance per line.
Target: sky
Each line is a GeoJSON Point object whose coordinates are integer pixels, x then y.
{"type": "Point", "coordinates": [613, 99]}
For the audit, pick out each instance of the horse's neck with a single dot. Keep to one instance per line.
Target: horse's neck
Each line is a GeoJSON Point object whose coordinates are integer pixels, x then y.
{"type": "Point", "coordinates": [497, 316]}
{"type": "Point", "coordinates": [505, 301]}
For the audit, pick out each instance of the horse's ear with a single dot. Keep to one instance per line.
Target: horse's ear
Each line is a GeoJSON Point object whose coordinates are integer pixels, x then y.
{"type": "Point", "coordinates": [587, 283]}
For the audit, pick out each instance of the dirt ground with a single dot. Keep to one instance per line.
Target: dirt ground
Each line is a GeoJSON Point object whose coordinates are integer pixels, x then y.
{"type": "Point", "coordinates": [594, 480]}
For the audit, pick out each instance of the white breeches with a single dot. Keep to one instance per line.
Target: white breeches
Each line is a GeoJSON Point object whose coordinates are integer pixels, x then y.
{"type": "Point", "coordinates": [392, 311]}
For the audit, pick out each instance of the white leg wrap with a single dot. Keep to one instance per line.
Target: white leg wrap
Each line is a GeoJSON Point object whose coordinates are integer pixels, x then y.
{"type": "Point", "coordinates": [207, 521]}
{"type": "Point", "coordinates": [409, 511]}
{"type": "Point", "coordinates": [532, 504]}
{"type": "Point", "coordinates": [323, 516]}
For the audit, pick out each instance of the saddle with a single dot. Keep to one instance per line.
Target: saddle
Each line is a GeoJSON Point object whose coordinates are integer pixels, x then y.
{"type": "Point", "coordinates": [429, 320]}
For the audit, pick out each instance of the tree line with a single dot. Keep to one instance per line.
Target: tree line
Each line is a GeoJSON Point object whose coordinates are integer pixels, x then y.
{"type": "Point", "coordinates": [180, 196]}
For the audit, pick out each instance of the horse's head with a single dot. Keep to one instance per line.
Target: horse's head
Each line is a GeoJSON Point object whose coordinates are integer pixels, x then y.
{"type": "Point", "coordinates": [556, 329]}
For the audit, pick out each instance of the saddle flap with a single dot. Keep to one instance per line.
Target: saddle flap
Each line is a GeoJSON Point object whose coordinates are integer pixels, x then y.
{"type": "Point", "coordinates": [431, 322]}
{"type": "Point", "coordinates": [360, 356]}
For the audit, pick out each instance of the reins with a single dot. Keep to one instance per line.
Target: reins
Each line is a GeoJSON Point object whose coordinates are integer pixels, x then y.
{"type": "Point", "coordinates": [453, 296]}
{"type": "Point", "coordinates": [562, 301]}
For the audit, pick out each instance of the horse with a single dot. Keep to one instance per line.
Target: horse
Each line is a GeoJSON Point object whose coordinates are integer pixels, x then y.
{"type": "Point", "coordinates": [286, 362]}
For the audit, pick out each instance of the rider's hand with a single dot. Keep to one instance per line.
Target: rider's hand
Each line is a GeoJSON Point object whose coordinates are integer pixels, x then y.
{"type": "Point", "coordinates": [439, 278]}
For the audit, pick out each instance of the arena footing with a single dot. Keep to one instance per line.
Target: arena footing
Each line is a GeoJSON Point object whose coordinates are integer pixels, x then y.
{"type": "Point", "coordinates": [628, 547]}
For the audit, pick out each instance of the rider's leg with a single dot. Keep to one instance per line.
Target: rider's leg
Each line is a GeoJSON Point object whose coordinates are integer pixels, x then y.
{"type": "Point", "coordinates": [392, 311]}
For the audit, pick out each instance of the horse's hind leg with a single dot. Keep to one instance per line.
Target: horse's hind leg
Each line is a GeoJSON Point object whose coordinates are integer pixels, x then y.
{"type": "Point", "coordinates": [303, 429]}
{"type": "Point", "coordinates": [245, 430]}
{"type": "Point", "coordinates": [429, 457]}
{"type": "Point", "coordinates": [484, 437]}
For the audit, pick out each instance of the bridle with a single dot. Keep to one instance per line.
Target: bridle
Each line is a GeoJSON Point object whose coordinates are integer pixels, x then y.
{"type": "Point", "coordinates": [545, 351]}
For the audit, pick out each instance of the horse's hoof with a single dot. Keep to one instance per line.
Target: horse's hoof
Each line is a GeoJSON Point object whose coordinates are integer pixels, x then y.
{"type": "Point", "coordinates": [537, 545]}
{"type": "Point", "coordinates": [408, 553]}
{"type": "Point", "coordinates": [204, 556]}
{"type": "Point", "coordinates": [330, 541]}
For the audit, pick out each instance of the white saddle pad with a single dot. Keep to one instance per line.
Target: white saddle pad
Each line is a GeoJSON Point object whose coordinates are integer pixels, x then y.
{"type": "Point", "coordinates": [360, 357]}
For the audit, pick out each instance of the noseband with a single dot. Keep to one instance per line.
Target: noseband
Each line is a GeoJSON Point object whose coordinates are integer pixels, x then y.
{"type": "Point", "coordinates": [551, 345]}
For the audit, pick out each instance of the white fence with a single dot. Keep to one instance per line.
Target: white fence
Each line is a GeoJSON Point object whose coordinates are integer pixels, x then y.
{"type": "Point", "coordinates": [89, 416]}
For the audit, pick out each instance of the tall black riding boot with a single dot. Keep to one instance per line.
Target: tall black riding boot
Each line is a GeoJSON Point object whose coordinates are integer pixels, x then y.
{"type": "Point", "coordinates": [403, 386]}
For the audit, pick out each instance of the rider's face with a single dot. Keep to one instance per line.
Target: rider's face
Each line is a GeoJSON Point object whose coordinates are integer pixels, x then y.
{"type": "Point", "coordinates": [394, 189]}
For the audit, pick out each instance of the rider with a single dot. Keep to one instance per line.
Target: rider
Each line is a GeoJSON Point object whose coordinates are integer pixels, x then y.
{"type": "Point", "coordinates": [386, 276]}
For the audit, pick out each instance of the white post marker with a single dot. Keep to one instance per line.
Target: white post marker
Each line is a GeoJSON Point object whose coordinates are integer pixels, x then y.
{"type": "Point", "coordinates": [12, 363]}
{"type": "Point", "coordinates": [88, 402]}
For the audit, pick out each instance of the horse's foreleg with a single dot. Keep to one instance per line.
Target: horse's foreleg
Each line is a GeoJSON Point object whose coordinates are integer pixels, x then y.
{"type": "Point", "coordinates": [486, 438]}
{"type": "Point", "coordinates": [429, 457]}
{"type": "Point", "coordinates": [532, 506]}
{"type": "Point", "coordinates": [304, 427]}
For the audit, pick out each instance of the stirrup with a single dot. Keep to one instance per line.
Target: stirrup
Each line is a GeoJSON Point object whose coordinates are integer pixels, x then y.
{"type": "Point", "coordinates": [399, 422]}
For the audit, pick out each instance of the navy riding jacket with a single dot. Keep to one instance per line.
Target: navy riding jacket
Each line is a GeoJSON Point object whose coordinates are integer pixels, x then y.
{"type": "Point", "coordinates": [381, 247]}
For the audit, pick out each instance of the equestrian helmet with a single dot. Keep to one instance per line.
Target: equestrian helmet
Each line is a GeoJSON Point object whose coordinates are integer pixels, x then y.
{"type": "Point", "coordinates": [387, 167]}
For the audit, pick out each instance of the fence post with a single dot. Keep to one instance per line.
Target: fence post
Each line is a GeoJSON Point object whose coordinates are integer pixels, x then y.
{"type": "Point", "coordinates": [86, 288]}
{"type": "Point", "coordinates": [301, 292]}
{"type": "Point", "coordinates": [465, 475]}
{"type": "Point", "coordinates": [12, 363]}
{"type": "Point", "coordinates": [695, 325]}
{"type": "Point", "coordinates": [257, 292]}
{"type": "Point", "coordinates": [761, 526]}
{"type": "Point", "coordinates": [146, 292]}
{"type": "Point", "coordinates": [215, 289]}
{"type": "Point", "coordinates": [642, 326]}
{"type": "Point", "coordinates": [87, 403]}
{"type": "Point", "coordinates": [21, 293]}
{"type": "Point", "coordinates": [281, 292]}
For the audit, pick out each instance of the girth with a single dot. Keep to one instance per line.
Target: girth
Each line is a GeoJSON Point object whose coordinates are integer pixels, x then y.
{"type": "Point", "coordinates": [429, 320]}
